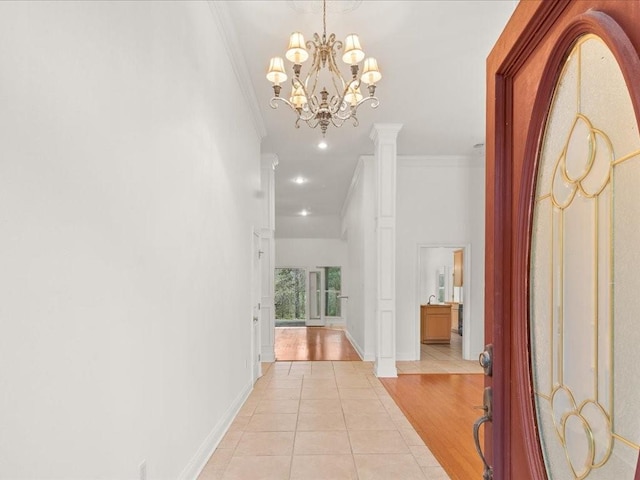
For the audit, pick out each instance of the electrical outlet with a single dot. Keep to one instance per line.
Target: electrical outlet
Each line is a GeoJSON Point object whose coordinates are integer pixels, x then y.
{"type": "Point", "coordinates": [143, 470]}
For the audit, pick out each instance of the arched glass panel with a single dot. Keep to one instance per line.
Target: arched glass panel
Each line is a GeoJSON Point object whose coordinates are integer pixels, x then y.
{"type": "Point", "coordinates": [585, 273]}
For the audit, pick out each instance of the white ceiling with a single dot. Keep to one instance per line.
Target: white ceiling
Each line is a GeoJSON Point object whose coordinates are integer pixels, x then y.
{"type": "Point", "coordinates": [432, 56]}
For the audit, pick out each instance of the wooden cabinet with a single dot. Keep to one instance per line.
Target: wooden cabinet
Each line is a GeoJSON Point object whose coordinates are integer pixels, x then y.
{"type": "Point", "coordinates": [457, 268]}
{"type": "Point", "coordinates": [435, 323]}
{"type": "Point", "coordinates": [455, 308]}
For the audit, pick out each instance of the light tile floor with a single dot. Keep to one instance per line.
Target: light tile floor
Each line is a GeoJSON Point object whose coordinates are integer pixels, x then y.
{"type": "Point", "coordinates": [441, 359]}
{"type": "Point", "coordinates": [321, 421]}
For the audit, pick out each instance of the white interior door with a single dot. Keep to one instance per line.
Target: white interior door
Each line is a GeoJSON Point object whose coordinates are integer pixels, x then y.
{"type": "Point", "coordinates": [315, 315]}
{"type": "Point", "coordinates": [256, 296]}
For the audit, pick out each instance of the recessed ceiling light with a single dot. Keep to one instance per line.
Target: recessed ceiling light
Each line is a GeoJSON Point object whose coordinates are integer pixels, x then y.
{"type": "Point", "coordinates": [300, 180]}
{"type": "Point", "coordinates": [322, 145]}
{"type": "Point", "coordinates": [304, 213]}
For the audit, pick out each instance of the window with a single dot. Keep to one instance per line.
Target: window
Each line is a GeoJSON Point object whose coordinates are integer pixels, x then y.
{"type": "Point", "coordinates": [332, 285]}
{"type": "Point", "coordinates": [290, 296]}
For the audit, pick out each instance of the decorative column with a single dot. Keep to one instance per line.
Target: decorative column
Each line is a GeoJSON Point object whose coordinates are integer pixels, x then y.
{"type": "Point", "coordinates": [269, 161]}
{"type": "Point", "coordinates": [385, 155]}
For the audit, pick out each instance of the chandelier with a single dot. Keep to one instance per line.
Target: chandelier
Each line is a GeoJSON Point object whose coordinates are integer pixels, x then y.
{"type": "Point", "coordinates": [332, 107]}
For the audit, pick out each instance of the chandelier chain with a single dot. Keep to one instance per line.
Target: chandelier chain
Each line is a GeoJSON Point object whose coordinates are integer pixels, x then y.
{"type": "Point", "coordinates": [324, 18]}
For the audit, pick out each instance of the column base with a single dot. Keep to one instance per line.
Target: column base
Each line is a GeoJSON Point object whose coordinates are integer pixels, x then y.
{"type": "Point", "coordinates": [385, 368]}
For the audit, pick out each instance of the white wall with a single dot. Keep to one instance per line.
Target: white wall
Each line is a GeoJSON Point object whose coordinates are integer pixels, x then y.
{"type": "Point", "coordinates": [476, 208]}
{"type": "Point", "coordinates": [312, 226]}
{"type": "Point", "coordinates": [312, 253]}
{"type": "Point", "coordinates": [359, 229]}
{"type": "Point", "coordinates": [440, 202]}
{"type": "Point", "coordinates": [128, 175]}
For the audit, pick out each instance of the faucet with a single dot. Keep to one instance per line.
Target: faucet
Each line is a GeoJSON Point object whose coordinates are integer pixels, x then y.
{"type": "Point", "coordinates": [429, 302]}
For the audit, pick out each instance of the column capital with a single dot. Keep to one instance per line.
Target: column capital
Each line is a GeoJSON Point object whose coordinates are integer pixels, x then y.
{"type": "Point", "coordinates": [269, 160]}
{"type": "Point", "coordinates": [385, 131]}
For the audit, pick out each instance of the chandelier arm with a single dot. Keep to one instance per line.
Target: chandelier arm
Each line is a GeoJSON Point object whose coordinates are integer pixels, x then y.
{"type": "Point", "coordinates": [354, 85]}
{"type": "Point", "coordinates": [338, 121]}
{"type": "Point", "coordinates": [310, 98]}
{"type": "Point", "coordinates": [311, 123]}
{"type": "Point", "coordinates": [274, 104]}
{"type": "Point", "coordinates": [374, 102]}
{"type": "Point", "coordinates": [333, 67]}
{"type": "Point", "coordinates": [314, 71]}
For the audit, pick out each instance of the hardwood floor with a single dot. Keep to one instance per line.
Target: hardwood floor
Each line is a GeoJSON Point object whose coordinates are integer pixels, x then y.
{"type": "Point", "coordinates": [440, 408]}
{"type": "Point", "coordinates": [313, 343]}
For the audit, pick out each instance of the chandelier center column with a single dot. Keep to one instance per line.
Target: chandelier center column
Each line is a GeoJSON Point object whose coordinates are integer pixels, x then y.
{"type": "Point", "coordinates": [385, 158]}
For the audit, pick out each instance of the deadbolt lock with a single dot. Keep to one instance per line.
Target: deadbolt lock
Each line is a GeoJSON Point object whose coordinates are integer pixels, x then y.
{"type": "Point", "coordinates": [486, 360]}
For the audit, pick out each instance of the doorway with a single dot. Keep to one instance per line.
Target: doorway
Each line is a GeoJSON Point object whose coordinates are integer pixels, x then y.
{"type": "Point", "coordinates": [443, 285]}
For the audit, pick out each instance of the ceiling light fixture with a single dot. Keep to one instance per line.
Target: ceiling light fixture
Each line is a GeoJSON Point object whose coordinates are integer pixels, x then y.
{"type": "Point", "coordinates": [304, 213]}
{"type": "Point", "coordinates": [300, 180]}
{"type": "Point", "coordinates": [322, 145]}
{"type": "Point", "coordinates": [331, 108]}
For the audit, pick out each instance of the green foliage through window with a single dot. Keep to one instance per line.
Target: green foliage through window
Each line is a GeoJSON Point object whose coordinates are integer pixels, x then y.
{"type": "Point", "coordinates": [290, 293]}
{"type": "Point", "coordinates": [332, 279]}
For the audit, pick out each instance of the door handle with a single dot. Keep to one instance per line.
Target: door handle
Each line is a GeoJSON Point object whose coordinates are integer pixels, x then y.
{"type": "Point", "coordinates": [487, 417]}
{"type": "Point", "coordinates": [255, 319]}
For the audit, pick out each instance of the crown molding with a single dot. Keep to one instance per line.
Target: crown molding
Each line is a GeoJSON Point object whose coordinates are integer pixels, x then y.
{"type": "Point", "coordinates": [385, 131]}
{"type": "Point", "coordinates": [355, 178]}
{"type": "Point", "coordinates": [446, 161]}
{"type": "Point", "coordinates": [222, 19]}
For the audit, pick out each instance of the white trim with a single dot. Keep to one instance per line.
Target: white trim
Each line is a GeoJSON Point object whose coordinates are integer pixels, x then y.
{"type": "Point", "coordinates": [335, 322]}
{"type": "Point", "coordinates": [385, 368]}
{"type": "Point", "coordinates": [357, 347]}
{"type": "Point", "coordinates": [355, 178]}
{"type": "Point", "coordinates": [446, 161]}
{"type": "Point", "coordinates": [466, 295]}
{"type": "Point", "coordinates": [222, 19]}
{"type": "Point", "coordinates": [406, 357]}
{"type": "Point", "coordinates": [200, 459]}
{"type": "Point", "coordinates": [268, 356]}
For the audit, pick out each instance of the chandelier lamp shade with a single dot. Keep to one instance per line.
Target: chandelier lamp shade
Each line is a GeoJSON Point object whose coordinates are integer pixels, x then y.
{"type": "Point", "coordinates": [324, 107]}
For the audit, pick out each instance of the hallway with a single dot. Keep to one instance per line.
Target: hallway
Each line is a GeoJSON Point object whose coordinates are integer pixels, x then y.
{"type": "Point", "coordinates": [321, 421]}
{"type": "Point", "coordinates": [313, 343]}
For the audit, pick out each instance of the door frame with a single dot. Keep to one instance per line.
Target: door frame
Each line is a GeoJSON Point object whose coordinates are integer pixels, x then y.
{"type": "Point", "coordinates": [256, 300]}
{"type": "Point", "coordinates": [553, 26]}
{"type": "Point", "coordinates": [321, 321]}
{"type": "Point", "coordinates": [466, 296]}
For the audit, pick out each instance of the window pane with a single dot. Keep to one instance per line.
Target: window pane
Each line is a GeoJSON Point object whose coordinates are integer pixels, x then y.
{"type": "Point", "coordinates": [290, 294]}
{"type": "Point", "coordinates": [332, 277]}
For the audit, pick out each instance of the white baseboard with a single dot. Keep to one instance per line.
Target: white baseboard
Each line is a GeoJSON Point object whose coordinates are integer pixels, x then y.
{"type": "Point", "coordinates": [385, 369]}
{"type": "Point", "coordinates": [336, 322]}
{"type": "Point", "coordinates": [354, 344]}
{"type": "Point", "coordinates": [406, 357]}
{"type": "Point", "coordinates": [200, 459]}
{"type": "Point", "coordinates": [363, 356]}
{"type": "Point", "coordinates": [267, 356]}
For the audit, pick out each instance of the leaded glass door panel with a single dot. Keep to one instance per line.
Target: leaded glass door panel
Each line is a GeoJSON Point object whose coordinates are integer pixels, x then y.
{"type": "Point", "coordinates": [585, 282]}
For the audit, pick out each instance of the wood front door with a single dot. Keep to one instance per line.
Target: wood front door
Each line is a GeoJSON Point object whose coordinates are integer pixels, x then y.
{"type": "Point", "coordinates": [562, 293]}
